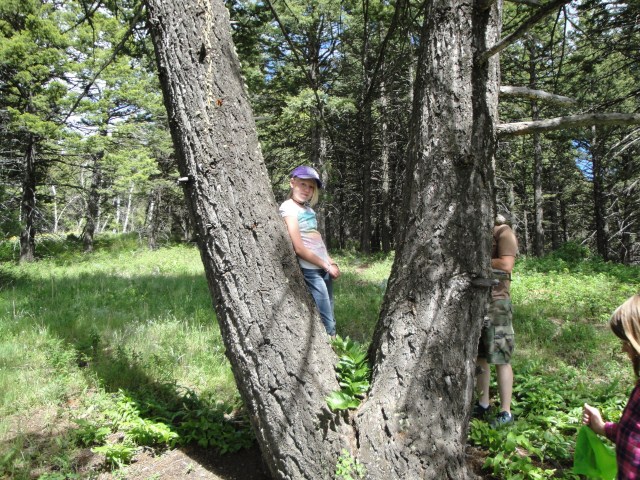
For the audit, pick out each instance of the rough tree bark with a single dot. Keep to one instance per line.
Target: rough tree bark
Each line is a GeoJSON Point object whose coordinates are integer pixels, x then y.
{"type": "Point", "coordinates": [414, 423]}
{"type": "Point", "coordinates": [275, 342]}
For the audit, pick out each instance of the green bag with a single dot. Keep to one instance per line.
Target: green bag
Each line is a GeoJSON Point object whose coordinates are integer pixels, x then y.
{"type": "Point", "coordinates": [593, 458]}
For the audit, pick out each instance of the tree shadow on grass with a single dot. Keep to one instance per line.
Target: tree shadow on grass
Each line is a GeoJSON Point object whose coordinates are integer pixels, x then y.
{"type": "Point", "coordinates": [95, 315]}
{"type": "Point", "coordinates": [101, 310]}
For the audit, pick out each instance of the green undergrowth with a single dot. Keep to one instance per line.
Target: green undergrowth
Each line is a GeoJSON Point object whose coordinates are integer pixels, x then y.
{"type": "Point", "coordinates": [353, 373]}
{"type": "Point", "coordinates": [547, 408]}
{"type": "Point", "coordinates": [119, 350]}
{"type": "Point", "coordinates": [565, 356]}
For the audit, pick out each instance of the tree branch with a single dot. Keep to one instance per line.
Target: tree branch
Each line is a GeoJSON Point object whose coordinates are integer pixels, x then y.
{"type": "Point", "coordinates": [532, 3]}
{"type": "Point", "coordinates": [535, 95]}
{"type": "Point", "coordinates": [522, 29]}
{"type": "Point", "coordinates": [116, 51]}
{"type": "Point", "coordinates": [571, 121]}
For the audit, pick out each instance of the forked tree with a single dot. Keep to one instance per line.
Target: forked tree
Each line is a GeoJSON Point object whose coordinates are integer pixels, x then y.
{"type": "Point", "coordinates": [414, 421]}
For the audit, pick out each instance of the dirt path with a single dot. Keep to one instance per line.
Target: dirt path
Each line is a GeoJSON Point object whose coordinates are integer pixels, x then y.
{"type": "Point", "coordinates": [195, 463]}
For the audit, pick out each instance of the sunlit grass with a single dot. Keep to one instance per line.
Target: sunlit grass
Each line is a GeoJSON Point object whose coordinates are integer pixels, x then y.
{"type": "Point", "coordinates": [77, 328]}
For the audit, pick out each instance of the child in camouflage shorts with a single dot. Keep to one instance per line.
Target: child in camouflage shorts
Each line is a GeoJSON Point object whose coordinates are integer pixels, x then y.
{"type": "Point", "coordinates": [497, 340]}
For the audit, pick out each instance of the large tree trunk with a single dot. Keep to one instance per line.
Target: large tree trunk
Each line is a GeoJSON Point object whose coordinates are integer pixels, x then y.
{"type": "Point", "coordinates": [414, 423]}
{"type": "Point", "coordinates": [28, 205]}
{"type": "Point", "coordinates": [274, 338]}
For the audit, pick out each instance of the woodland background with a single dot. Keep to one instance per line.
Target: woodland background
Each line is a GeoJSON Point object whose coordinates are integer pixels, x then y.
{"type": "Point", "coordinates": [85, 147]}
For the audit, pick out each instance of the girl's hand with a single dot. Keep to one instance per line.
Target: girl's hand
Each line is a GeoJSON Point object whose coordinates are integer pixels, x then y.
{"type": "Point", "coordinates": [591, 417]}
{"type": "Point", "coordinates": [333, 270]}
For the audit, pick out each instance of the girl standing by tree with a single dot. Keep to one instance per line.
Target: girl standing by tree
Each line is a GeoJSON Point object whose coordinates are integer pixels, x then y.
{"type": "Point", "coordinates": [625, 323]}
{"type": "Point", "coordinates": [318, 268]}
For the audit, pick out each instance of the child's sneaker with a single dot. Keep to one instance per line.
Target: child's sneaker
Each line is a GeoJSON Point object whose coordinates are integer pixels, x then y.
{"type": "Point", "coordinates": [503, 418]}
{"type": "Point", "coordinates": [479, 411]}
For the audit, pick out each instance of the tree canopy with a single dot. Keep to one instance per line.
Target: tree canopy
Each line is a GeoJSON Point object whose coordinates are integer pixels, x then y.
{"type": "Point", "coordinates": [330, 84]}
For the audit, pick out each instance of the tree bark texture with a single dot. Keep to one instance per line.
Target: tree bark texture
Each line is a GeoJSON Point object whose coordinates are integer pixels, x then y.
{"type": "Point", "coordinates": [414, 422]}
{"type": "Point", "coordinates": [275, 341]}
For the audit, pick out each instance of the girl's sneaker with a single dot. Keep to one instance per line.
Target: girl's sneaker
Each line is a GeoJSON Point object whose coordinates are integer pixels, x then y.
{"type": "Point", "coordinates": [503, 418]}
{"type": "Point", "coordinates": [479, 411]}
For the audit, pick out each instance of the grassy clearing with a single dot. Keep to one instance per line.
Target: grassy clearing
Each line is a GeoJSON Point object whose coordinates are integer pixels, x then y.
{"type": "Point", "coordinates": [125, 340]}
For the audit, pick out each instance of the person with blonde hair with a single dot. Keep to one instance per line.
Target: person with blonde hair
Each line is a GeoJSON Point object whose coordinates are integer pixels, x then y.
{"type": "Point", "coordinates": [625, 324]}
{"type": "Point", "coordinates": [318, 268]}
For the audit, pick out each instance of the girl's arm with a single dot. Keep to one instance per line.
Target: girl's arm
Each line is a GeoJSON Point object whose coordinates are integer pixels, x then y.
{"type": "Point", "coordinates": [591, 417]}
{"type": "Point", "coordinates": [303, 252]}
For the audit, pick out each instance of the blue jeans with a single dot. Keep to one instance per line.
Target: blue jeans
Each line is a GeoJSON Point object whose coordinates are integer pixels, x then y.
{"type": "Point", "coordinates": [320, 284]}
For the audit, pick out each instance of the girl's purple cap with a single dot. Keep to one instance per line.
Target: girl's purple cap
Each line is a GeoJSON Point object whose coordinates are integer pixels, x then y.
{"type": "Point", "coordinates": [304, 171]}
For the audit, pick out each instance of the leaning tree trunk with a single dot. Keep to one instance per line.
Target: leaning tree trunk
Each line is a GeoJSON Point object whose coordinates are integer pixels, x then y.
{"type": "Point", "coordinates": [414, 423]}
{"type": "Point", "coordinates": [276, 344]}
{"type": "Point", "coordinates": [28, 205]}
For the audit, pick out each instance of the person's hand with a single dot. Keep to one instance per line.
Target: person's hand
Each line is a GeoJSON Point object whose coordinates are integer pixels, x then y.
{"type": "Point", "coordinates": [592, 418]}
{"type": "Point", "coordinates": [333, 270]}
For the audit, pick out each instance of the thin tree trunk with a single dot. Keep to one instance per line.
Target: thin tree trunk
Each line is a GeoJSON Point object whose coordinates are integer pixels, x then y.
{"type": "Point", "coordinates": [527, 242]}
{"type": "Point", "coordinates": [28, 205]}
{"type": "Point", "coordinates": [127, 214]}
{"type": "Point", "coordinates": [93, 205]}
{"type": "Point", "coordinates": [54, 195]}
{"type": "Point", "coordinates": [118, 213]}
{"type": "Point", "coordinates": [366, 136]}
{"type": "Point", "coordinates": [366, 157]}
{"type": "Point", "coordinates": [155, 199]}
{"type": "Point", "coordinates": [319, 160]}
{"type": "Point", "coordinates": [538, 209]}
{"type": "Point", "coordinates": [386, 235]}
{"type": "Point", "coordinates": [599, 199]}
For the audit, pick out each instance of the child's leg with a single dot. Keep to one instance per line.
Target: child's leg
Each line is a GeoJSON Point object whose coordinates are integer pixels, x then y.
{"type": "Point", "coordinates": [321, 291]}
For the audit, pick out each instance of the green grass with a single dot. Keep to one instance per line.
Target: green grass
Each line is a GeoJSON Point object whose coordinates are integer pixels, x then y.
{"type": "Point", "coordinates": [125, 340]}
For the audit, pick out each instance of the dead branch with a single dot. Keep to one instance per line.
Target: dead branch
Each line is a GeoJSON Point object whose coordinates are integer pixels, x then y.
{"type": "Point", "coordinates": [522, 29]}
{"type": "Point", "coordinates": [571, 121]}
{"type": "Point", "coordinates": [535, 95]}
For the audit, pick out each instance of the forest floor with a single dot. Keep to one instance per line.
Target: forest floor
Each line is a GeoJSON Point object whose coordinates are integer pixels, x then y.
{"type": "Point", "coordinates": [41, 431]}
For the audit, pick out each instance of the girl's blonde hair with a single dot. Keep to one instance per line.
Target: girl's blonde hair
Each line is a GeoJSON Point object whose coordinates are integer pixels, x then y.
{"type": "Point", "coordinates": [625, 324]}
{"type": "Point", "coordinates": [316, 192]}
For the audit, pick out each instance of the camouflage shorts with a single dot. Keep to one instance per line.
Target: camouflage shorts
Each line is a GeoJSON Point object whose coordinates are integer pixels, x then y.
{"type": "Point", "coordinates": [497, 340]}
